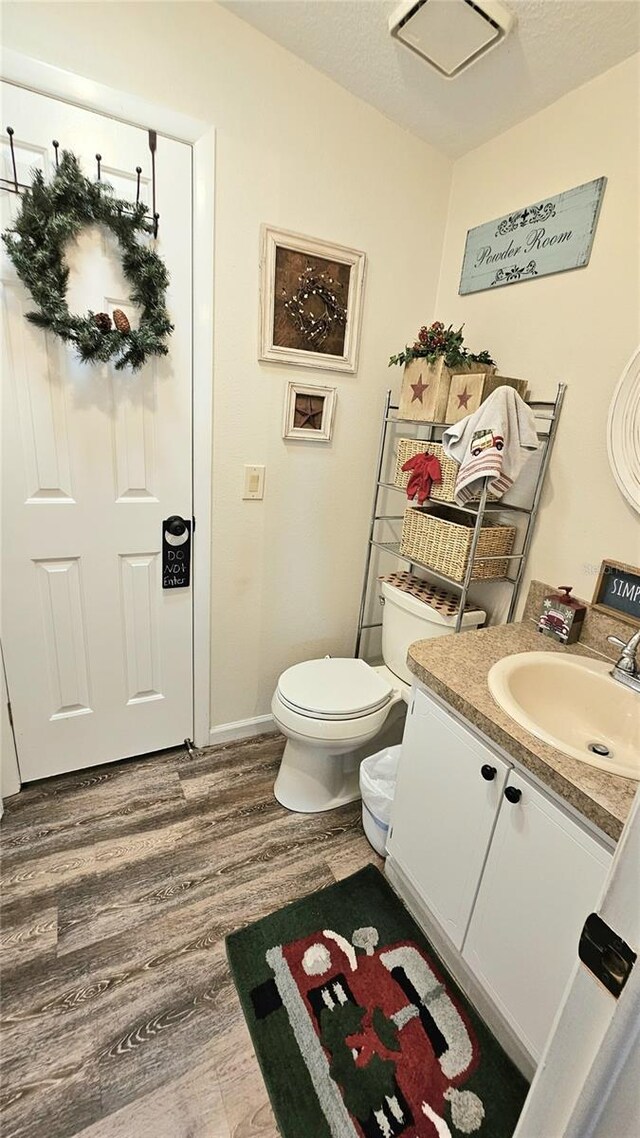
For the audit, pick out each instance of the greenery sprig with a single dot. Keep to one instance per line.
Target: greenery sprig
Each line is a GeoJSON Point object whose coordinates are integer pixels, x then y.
{"type": "Point", "coordinates": [53, 214]}
{"type": "Point", "coordinates": [435, 341]}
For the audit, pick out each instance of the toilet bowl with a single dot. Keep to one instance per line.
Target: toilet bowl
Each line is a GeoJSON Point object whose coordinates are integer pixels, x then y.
{"type": "Point", "coordinates": [329, 710]}
{"type": "Point", "coordinates": [333, 711]}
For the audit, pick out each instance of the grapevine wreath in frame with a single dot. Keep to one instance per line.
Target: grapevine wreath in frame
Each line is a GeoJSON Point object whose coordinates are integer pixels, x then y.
{"type": "Point", "coordinates": [54, 213]}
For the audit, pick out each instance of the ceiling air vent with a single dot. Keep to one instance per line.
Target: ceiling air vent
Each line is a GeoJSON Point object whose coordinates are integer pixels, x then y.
{"type": "Point", "coordinates": [450, 34]}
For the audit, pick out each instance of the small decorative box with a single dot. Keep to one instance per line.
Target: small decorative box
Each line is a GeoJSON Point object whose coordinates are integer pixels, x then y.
{"type": "Point", "coordinates": [562, 616]}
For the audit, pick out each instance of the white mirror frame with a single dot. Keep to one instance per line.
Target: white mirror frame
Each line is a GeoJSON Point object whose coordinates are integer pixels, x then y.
{"type": "Point", "coordinates": [623, 432]}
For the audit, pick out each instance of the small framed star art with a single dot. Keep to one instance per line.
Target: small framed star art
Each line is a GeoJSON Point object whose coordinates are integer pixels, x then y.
{"type": "Point", "coordinates": [310, 301]}
{"type": "Point", "coordinates": [309, 412]}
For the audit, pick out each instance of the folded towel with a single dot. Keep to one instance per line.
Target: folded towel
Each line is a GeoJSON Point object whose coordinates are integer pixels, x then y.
{"type": "Point", "coordinates": [492, 443]}
{"type": "Point", "coordinates": [425, 469]}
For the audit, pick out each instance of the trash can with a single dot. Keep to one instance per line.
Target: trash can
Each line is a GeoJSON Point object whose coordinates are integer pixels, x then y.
{"type": "Point", "coordinates": [378, 776]}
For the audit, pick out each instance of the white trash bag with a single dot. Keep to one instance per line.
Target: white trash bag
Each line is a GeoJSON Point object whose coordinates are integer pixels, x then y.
{"type": "Point", "coordinates": [378, 776]}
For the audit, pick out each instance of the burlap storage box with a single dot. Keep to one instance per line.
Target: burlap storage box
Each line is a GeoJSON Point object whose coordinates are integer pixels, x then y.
{"type": "Point", "coordinates": [441, 539]}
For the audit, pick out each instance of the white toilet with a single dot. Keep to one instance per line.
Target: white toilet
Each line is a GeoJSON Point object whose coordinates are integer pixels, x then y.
{"type": "Point", "coordinates": [332, 711]}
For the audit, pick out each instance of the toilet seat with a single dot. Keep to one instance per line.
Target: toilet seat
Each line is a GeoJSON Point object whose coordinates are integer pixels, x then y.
{"type": "Point", "coordinates": [332, 733]}
{"type": "Point", "coordinates": [334, 689]}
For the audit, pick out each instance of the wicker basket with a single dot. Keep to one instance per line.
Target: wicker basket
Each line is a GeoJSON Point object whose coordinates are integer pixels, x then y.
{"type": "Point", "coordinates": [442, 491]}
{"type": "Point", "coordinates": [440, 538]}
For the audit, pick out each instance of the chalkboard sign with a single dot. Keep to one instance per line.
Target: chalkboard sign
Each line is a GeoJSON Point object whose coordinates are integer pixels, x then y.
{"type": "Point", "coordinates": [176, 553]}
{"type": "Point", "coordinates": [618, 591]}
{"type": "Point", "coordinates": [550, 236]}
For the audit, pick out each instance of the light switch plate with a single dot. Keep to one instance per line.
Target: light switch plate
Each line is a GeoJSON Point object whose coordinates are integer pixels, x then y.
{"type": "Point", "coordinates": [253, 482]}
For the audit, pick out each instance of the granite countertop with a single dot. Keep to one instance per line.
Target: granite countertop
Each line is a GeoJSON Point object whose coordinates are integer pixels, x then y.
{"type": "Point", "coordinates": [456, 669]}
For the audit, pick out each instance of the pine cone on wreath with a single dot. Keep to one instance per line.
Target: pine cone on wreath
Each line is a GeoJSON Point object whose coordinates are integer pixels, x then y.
{"type": "Point", "coordinates": [103, 320]}
{"type": "Point", "coordinates": [121, 321]}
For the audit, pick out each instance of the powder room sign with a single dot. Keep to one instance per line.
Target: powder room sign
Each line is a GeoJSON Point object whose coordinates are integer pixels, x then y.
{"type": "Point", "coordinates": [550, 236]}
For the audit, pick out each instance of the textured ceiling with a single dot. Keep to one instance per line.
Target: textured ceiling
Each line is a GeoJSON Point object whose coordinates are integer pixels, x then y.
{"type": "Point", "coordinates": [555, 46]}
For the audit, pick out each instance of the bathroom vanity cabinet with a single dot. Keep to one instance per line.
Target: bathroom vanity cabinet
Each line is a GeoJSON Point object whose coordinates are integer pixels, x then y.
{"type": "Point", "coordinates": [502, 868]}
{"type": "Point", "coordinates": [448, 795]}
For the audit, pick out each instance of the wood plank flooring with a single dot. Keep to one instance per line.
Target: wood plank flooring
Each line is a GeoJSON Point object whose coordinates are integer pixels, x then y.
{"type": "Point", "coordinates": [118, 1016]}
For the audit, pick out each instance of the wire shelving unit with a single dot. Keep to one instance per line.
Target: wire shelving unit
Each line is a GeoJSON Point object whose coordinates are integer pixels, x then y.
{"type": "Point", "coordinates": [547, 413]}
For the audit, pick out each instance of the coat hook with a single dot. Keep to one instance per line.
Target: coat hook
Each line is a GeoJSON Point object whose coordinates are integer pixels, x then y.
{"type": "Point", "coordinates": [138, 173]}
{"type": "Point", "coordinates": [13, 158]}
{"type": "Point", "coordinates": [153, 142]}
{"type": "Point", "coordinates": [55, 145]}
{"type": "Point", "coordinates": [98, 160]}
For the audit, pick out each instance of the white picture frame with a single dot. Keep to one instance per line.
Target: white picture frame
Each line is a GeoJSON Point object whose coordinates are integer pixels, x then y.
{"type": "Point", "coordinates": [350, 261]}
{"type": "Point", "coordinates": [320, 431]}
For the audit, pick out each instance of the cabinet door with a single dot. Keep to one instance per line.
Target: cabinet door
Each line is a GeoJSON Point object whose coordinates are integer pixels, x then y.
{"type": "Point", "coordinates": [543, 877]}
{"type": "Point", "coordinates": [444, 812]}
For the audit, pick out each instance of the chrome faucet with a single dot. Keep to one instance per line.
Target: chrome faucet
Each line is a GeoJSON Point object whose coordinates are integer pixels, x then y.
{"type": "Point", "coordinates": [626, 670]}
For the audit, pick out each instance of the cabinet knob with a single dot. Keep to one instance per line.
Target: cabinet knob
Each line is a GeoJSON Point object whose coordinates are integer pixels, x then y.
{"type": "Point", "coordinates": [487, 772]}
{"type": "Point", "coordinates": [512, 794]}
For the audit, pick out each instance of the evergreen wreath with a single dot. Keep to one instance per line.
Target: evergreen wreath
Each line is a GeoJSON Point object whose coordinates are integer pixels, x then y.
{"type": "Point", "coordinates": [54, 213]}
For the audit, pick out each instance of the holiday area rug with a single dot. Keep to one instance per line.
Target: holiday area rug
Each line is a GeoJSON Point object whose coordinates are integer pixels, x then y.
{"type": "Point", "coordinates": [359, 1029]}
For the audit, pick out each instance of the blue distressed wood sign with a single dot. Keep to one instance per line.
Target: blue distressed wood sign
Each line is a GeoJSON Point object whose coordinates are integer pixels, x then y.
{"type": "Point", "coordinates": [550, 236]}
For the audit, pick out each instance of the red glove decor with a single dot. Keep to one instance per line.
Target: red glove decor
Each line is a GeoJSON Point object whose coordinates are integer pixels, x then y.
{"type": "Point", "coordinates": [425, 470]}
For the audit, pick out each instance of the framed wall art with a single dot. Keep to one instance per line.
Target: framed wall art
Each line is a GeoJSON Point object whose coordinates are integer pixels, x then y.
{"type": "Point", "coordinates": [310, 301]}
{"type": "Point", "coordinates": [309, 412]}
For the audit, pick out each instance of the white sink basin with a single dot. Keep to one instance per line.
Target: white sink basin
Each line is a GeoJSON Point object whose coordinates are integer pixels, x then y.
{"type": "Point", "coordinates": [573, 703]}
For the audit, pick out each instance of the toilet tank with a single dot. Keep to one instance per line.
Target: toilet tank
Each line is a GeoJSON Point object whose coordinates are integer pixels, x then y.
{"type": "Point", "coordinates": [405, 618]}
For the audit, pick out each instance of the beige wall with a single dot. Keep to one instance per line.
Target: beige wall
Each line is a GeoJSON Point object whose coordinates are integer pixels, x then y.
{"type": "Point", "coordinates": [580, 327]}
{"type": "Point", "coordinates": [295, 150]}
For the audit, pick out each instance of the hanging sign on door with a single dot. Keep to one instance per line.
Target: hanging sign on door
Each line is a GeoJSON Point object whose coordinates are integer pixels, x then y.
{"type": "Point", "coordinates": [176, 553]}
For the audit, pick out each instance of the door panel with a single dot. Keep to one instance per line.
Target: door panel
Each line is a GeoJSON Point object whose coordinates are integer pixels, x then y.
{"type": "Point", "coordinates": [65, 636]}
{"type": "Point", "coordinates": [444, 812]}
{"type": "Point", "coordinates": [543, 877]}
{"type": "Point", "coordinates": [98, 655]}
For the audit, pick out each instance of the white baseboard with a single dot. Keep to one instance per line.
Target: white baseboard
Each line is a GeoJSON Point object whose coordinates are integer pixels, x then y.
{"type": "Point", "coordinates": [243, 729]}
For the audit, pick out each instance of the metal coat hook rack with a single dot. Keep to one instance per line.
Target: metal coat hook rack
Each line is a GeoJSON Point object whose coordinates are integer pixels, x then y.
{"type": "Point", "coordinates": [13, 186]}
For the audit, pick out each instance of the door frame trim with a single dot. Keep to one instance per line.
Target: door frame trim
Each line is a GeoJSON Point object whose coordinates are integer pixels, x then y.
{"type": "Point", "coordinates": [66, 86]}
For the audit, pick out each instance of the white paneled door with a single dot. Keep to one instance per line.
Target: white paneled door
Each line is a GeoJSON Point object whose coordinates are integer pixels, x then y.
{"type": "Point", "coordinates": [98, 655]}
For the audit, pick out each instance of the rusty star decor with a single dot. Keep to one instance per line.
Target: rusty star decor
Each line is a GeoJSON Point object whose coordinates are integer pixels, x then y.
{"type": "Point", "coordinates": [463, 398]}
{"type": "Point", "coordinates": [418, 389]}
{"type": "Point", "coordinates": [308, 412]}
